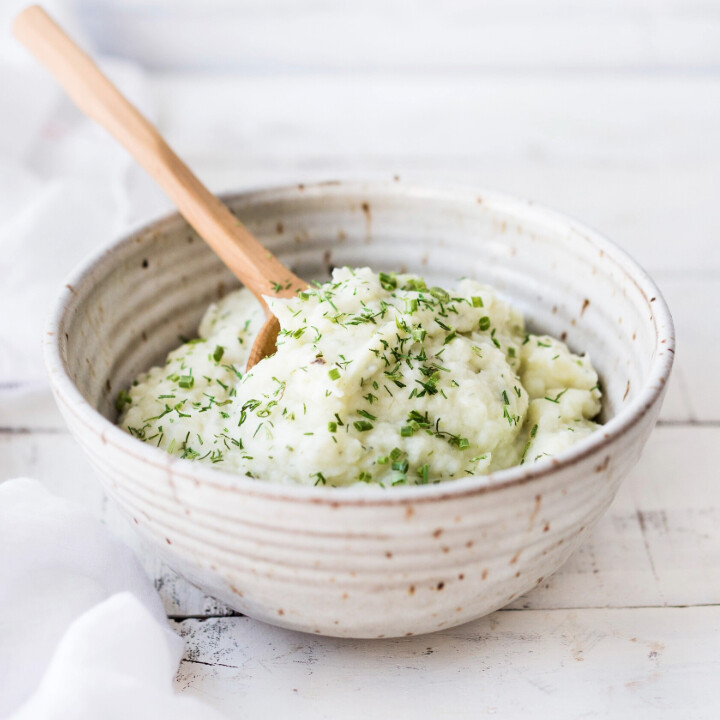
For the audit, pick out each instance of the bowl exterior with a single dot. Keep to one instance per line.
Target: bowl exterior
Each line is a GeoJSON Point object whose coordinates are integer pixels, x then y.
{"type": "Point", "coordinates": [352, 563]}
{"type": "Point", "coordinates": [361, 568]}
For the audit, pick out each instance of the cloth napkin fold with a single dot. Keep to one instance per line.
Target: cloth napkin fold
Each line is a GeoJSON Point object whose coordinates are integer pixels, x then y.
{"type": "Point", "coordinates": [83, 634]}
{"type": "Point", "coordinates": [66, 189]}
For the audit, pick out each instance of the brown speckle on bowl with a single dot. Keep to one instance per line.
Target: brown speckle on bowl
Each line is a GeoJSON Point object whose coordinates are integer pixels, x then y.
{"type": "Point", "coordinates": [368, 221]}
{"type": "Point", "coordinates": [536, 509]}
{"type": "Point", "coordinates": [603, 465]}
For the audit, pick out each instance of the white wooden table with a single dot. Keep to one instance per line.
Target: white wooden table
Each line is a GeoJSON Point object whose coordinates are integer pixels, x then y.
{"type": "Point", "coordinates": [630, 626]}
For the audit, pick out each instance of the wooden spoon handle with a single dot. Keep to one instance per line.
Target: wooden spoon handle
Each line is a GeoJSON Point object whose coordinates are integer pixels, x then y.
{"type": "Point", "coordinates": [98, 98]}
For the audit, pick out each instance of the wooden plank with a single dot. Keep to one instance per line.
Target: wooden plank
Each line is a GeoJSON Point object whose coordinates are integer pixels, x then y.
{"type": "Point", "coordinates": [658, 544]}
{"type": "Point", "coordinates": [412, 37]}
{"type": "Point", "coordinates": [29, 407]}
{"type": "Point", "coordinates": [605, 120]}
{"type": "Point", "coordinates": [597, 147]}
{"type": "Point", "coordinates": [641, 663]}
{"type": "Point", "coordinates": [694, 393]}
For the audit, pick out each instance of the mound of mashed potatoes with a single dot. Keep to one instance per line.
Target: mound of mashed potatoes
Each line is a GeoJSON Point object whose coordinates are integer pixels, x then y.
{"type": "Point", "coordinates": [378, 378]}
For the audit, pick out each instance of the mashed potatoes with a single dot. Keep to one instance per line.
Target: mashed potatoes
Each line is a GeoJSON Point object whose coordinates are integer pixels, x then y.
{"type": "Point", "coordinates": [377, 379]}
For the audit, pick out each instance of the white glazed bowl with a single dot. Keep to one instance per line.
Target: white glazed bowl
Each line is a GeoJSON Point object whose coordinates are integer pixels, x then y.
{"type": "Point", "coordinates": [365, 561]}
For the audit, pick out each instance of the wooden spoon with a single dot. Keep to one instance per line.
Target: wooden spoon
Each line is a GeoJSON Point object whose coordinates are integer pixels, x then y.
{"type": "Point", "coordinates": [257, 268]}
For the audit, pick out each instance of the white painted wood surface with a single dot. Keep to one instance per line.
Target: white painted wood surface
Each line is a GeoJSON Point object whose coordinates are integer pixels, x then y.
{"type": "Point", "coordinates": [408, 35]}
{"type": "Point", "coordinates": [610, 112]}
{"type": "Point", "coordinates": [620, 664]}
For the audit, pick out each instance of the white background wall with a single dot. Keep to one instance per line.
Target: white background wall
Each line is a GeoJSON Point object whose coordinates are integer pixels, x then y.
{"type": "Point", "coordinates": [409, 36]}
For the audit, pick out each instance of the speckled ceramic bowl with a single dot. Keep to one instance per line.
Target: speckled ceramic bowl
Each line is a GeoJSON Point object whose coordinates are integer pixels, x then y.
{"type": "Point", "coordinates": [365, 561]}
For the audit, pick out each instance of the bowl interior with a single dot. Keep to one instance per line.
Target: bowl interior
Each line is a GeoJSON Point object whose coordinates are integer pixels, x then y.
{"type": "Point", "coordinates": [127, 309]}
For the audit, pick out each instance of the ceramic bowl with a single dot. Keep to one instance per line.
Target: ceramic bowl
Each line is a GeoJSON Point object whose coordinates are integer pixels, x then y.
{"type": "Point", "coordinates": [365, 561]}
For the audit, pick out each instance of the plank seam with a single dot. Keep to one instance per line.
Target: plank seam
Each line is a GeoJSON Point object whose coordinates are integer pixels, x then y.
{"type": "Point", "coordinates": [183, 618]}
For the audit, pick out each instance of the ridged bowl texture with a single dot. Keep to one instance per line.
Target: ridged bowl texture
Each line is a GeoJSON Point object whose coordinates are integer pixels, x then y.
{"type": "Point", "coordinates": [365, 561]}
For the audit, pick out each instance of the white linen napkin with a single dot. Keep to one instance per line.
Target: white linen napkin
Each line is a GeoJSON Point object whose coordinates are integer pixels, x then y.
{"type": "Point", "coordinates": [66, 189]}
{"type": "Point", "coordinates": [83, 634]}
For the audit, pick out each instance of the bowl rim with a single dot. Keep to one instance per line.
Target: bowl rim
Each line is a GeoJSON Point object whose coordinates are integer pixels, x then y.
{"type": "Point", "coordinates": [72, 400]}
